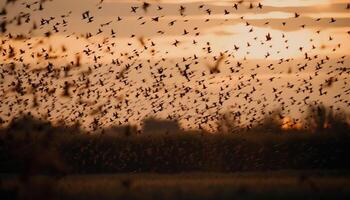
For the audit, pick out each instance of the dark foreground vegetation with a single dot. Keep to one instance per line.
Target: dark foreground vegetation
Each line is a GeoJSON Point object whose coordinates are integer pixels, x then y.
{"type": "Point", "coordinates": [76, 153]}
{"type": "Point", "coordinates": [190, 186]}
{"type": "Point", "coordinates": [30, 146]}
{"type": "Point", "coordinates": [41, 161]}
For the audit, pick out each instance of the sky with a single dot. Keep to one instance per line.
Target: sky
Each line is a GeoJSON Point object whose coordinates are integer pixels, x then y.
{"type": "Point", "coordinates": [188, 60]}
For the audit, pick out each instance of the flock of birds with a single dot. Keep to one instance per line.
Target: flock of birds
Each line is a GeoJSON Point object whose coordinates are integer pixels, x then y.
{"type": "Point", "coordinates": [100, 87]}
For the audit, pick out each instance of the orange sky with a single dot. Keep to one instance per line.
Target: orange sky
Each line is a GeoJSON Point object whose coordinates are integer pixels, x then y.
{"type": "Point", "coordinates": [320, 33]}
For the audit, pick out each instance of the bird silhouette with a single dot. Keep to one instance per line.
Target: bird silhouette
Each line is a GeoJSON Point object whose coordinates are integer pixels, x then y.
{"type": "Point", "coordinates": [158, 59]}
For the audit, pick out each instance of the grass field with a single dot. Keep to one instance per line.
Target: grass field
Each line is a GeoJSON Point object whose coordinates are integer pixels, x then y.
{"type": "Point", "coordinates": [46, 162]}
{"type": "Point", "coordinates": [247, 185]}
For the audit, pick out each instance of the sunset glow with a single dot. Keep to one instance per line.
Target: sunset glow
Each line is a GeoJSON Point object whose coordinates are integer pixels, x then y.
{"type": "Point", "coordinates": [283, 41]}
{"type": "Point", "coordinates": [174, 99]}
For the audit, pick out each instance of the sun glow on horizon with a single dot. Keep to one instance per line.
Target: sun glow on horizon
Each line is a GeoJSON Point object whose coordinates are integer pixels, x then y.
{"type": "Point", "coordinates": [190, 61]}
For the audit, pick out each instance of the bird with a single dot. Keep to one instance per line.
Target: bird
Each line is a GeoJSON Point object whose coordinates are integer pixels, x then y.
{"type": "Point", "coordinates": [145, 6]}
{"type": "Point", "coordinates": [134, 9]}
{"type": "Point", "coordinates": [268, 37]}
{"type": "Point", "coordinates": [154, 62]}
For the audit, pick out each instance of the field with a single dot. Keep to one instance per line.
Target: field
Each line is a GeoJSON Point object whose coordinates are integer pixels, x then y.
{"type": "Point", "coordinates": [46, 162]}
{"type": "Point", "coordinates": [247, 185]}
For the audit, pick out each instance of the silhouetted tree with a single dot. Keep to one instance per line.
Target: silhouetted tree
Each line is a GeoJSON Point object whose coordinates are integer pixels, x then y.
{"type": "Point", "coordinates": [320, 118]}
